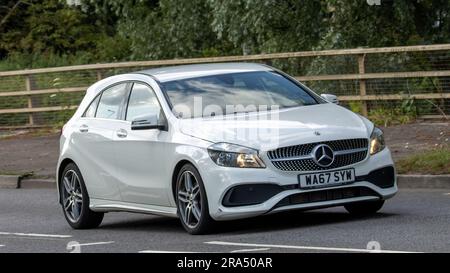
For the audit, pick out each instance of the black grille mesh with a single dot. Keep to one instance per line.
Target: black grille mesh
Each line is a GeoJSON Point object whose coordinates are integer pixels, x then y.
{"type": "Point", "coordinates": [325, 195]}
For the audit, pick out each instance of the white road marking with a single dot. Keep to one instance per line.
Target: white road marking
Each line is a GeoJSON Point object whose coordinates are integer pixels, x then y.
{"type": "Point", "coordinates": [305, 247]}
{"type": "Point", "coordinates": [2, 245]}
{"type": "Point", "coordinates": [250, 250]}
{"type": "Point", "coordinates": [164, 251]}
{"type": "Point", "coordinates": [96, 243]}
{"type": "Point", "coordinates": [35, 235]}
{"type": "Point", "coordinates": [448, 193]}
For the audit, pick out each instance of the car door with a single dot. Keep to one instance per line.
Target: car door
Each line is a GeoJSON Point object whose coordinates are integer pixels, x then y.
{"type": "Point", "coordinates": [94, 138]}
{"type": "Point", "coordinates": [140, 154]}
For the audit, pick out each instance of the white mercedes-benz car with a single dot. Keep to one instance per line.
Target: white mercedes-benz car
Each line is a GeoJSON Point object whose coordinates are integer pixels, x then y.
{"type": "Point", "coordinates": [215, 142]}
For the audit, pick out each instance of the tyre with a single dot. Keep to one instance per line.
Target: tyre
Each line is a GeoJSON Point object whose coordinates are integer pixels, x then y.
{"type": "Point", "coordinates": [192, 203]}
{"type": "Point", "coordinates": [364, 208]}
{"type": "Point", "coordinates": [75, 200]}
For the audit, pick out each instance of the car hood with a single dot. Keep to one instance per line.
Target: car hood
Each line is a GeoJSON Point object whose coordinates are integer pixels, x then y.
{"type": "Point", "coordinates": [272, 129]}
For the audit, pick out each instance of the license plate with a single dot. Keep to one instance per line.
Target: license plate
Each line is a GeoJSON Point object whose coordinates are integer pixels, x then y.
{"type": "Point", "coordinates": [326, 179]}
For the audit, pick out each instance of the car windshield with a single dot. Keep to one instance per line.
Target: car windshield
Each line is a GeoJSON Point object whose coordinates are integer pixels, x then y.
{"type": "Point", "coordinates": [234, 93]}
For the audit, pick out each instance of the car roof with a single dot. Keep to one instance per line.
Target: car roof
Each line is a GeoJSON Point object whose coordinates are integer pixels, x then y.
{"type": "Point", "coordinates": [179, 72]}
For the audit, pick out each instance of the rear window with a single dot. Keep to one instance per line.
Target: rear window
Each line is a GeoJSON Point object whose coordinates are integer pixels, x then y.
{"type": "Point", "coordinates": [110, 101]}
{"type": "Point", "coordinates": [90, 111]}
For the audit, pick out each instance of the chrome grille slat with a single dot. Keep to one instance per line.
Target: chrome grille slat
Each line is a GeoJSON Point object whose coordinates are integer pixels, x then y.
{"type": "Point", "coordinates": [296, 158]}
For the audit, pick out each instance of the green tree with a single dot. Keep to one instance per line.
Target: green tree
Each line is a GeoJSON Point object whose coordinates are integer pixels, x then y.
{"type": "Point", "coordinates": [51, 29]}
{"type": "Point", "coordinates": [269, 25]}
{"type": "Point", "coordinates": [165, 28]}
{"type": "Point", "coordinates": [109, 30]}
{"type": "Point", "coordinates": [54, 27]}
{"type": "Point", "coordinates": [10, 26]}
{"type": "Point", "coordinates": [399, 22]}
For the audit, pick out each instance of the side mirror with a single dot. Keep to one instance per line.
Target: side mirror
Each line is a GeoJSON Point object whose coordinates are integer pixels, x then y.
{"type": "Point", "coordinates": [147, 122]}
{"type": "Point", "coordinates": [330, 98]}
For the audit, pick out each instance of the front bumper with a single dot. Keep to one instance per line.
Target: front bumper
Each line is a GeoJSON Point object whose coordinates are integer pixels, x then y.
{"type": "Point", "coordinates": [280, 189]}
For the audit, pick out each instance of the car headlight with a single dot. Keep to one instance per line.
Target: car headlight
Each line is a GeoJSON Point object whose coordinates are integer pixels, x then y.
{"type": "Point", "coordinates": [376, 141]}
{"type": "Point", "coordinates": [230, 155]}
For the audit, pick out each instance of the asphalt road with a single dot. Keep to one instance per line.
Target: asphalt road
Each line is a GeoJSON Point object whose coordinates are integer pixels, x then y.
{"type": "Point", "coordinates": [413, 221]}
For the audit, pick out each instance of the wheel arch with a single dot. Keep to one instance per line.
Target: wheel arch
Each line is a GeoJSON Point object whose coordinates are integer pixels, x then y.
{"type": "Point", "coordinates": [175, 172]}
{"type": "Point", "coordinates": [61, 168]}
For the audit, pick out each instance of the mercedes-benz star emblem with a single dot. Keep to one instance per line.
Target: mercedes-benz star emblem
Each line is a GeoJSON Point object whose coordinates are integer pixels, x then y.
{"type": "Point", "coordinates": [323, 155]}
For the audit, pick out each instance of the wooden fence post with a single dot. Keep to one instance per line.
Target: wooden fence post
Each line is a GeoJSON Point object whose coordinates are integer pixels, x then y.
{"type": "Point", "coordinates": [99, 75]}
{"type": "Point", "coordinates": [30, 102]}
{"type": "Point", "coordinates": [362, 83]}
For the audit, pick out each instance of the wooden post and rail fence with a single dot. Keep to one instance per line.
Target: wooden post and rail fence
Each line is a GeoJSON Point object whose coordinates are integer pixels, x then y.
{"type": "Point", "coordinates": [361, 77]}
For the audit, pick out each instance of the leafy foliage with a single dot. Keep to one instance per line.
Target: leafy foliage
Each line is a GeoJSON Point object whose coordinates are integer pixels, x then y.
{"type": "Point", "coordinates": [268, 25]}
{"type": "Point", "coordinates": [110, 30]}
{"type": "Point", "coordinates": [404, 113]}
{"type": "Point", "coordinates": [173, 29]}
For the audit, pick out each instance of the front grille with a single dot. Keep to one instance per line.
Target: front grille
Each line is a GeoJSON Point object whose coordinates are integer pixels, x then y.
{"type": "Point", "coordinates": [349, 151]}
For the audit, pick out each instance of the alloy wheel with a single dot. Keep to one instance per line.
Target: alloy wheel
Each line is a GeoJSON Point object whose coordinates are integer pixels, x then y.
{"type": "Point", "coordinates": [72, 195]}
{"type": "Point", "coordinates": [189, 199]}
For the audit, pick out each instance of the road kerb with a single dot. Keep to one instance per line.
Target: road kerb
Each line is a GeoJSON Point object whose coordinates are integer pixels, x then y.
{"type": "Point", "coordinates": [37, 183]}
{"type": "Point", "coordinates": [424, 181]}
{"type": "Point", "coordinates": [9, 181]}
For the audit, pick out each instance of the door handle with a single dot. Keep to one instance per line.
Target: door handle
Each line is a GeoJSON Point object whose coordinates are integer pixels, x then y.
{"type": "Point", "coordinates": [84, 128]}
{"type": "Point", "coordinates": [121, 133]}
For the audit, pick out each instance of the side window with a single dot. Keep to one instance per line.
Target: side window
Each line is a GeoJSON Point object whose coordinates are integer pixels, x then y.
{"type": "Point", "coordinates": [111, 101]}
{"type": "Point", "coordinates": [90, 111]}
{"type": "Point", "coordinates": [143, 101]}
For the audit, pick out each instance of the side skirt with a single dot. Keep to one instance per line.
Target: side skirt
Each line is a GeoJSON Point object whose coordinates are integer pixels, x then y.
{"type": "Point", "coordinates": [101, 205]}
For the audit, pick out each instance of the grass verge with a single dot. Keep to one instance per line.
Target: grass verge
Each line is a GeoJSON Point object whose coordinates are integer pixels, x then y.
{"type": "Point", "coordinates": [429, 162]}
